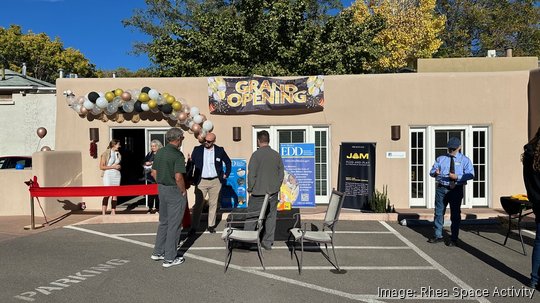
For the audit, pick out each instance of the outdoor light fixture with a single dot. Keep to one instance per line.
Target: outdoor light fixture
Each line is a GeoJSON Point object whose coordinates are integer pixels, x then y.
{"type": "Point", "coordinates": [236, 133]}
{"type": "Point", "coordinates": [396, 132]}
{"type": "Point", "coordinates": [94, 137]}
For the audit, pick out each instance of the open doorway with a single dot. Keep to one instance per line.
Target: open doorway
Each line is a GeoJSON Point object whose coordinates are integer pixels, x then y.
{"type": "Point", "coordinates": [133, 151]}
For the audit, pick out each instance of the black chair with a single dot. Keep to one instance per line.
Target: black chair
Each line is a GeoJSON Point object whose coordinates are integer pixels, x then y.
{"type": "Point", "coordinates": [514, 208]}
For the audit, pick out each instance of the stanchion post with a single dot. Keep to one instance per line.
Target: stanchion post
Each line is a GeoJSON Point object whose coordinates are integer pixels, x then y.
{"type": "Point", "coordinates": [32, 217]}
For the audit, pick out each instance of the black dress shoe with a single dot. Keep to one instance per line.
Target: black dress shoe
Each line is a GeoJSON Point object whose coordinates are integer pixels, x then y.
{"type": "Point", "coordinates": [211, 229]}
{"type": "Point", "coordinates": [435, 240]}
{"type": "Point", "coordinates": [453, 243]}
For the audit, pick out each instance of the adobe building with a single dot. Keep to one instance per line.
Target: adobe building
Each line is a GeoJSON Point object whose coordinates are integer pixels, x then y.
{"type": "Point", "coordinates": [408, 116]}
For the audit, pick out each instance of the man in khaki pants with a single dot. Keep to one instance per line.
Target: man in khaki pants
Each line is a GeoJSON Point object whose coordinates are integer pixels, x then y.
{"type": "Point", "coordinates": [208, 159]}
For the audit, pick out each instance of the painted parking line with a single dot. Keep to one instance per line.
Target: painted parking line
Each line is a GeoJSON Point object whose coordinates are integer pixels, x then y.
{"type": "Point", "coordinates": [358, 297]}
{"type": "Point", "coordinates": [434, 263]}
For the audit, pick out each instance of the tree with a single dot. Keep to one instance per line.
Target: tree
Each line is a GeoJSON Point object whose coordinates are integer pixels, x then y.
{"type": "Point", "coordinates": [43, 56]}
{"type": "Point", "coordinates": [473, 27]}
{"type": "Point", "coordinates": [411, 30]}
{"type": "Point", "coordinates": [232, 38]}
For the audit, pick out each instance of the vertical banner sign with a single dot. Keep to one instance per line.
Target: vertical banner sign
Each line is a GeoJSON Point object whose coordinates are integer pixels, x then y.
{"type": "Point", "coordinates": [233, 193]}
{"type": "Point", "coordinates": [298, 187]}
{"type": "Point", "coordinates": [356, 173]}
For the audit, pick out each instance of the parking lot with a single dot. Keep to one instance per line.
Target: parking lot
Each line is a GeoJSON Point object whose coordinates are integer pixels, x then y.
{"type": "Point", "coordinates": [380, 261]}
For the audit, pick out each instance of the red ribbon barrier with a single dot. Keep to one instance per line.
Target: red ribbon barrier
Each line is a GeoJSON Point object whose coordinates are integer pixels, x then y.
{"type": "Point", "coordinates": [94, 191]}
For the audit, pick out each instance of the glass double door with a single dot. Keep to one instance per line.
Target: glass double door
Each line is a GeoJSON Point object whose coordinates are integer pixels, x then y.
{"type": "Point", "coordinates": [428, 143]}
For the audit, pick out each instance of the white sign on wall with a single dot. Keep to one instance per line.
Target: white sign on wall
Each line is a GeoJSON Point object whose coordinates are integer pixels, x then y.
{"type": "Point", "coordinates": [395, 155]}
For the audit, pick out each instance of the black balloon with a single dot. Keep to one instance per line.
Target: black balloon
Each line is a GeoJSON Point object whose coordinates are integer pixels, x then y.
{"type": "Point", "coordinates": [145, 89]}
{"type": "Point", "coordinates": [92, 96]}
{"type": "Point", "coordinates": [137, 106]}
{"type": "Point", "coordinates": [166, 108]}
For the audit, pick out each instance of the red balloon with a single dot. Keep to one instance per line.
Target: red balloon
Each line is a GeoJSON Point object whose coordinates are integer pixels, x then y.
{"type": "Point", "coordinates": [41, 132]}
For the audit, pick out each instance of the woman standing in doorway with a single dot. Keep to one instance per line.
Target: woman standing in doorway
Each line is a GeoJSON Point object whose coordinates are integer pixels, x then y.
{"type": "Point", "coordinates": [155, 145]}
{"type": "Point", "coordinates": [110, 165]}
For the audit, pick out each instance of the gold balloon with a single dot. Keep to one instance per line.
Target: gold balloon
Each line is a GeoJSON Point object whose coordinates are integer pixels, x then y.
{"type": "Point", "coordinates": [170, 99]}
{"type": "Point", "coordinates": [143, 97]}
{"type": "Point", "coordinates": [152, 104]}
{"type": "Point", "coordinates": [45, 148]}
{"type": "Point", "coordinates": [109, 96]}
{"type": "Point", "coordinates": [41, 132]}
{"type": "Point", "coordinates": [125, 96]}
{"type": "Point", "coordinates": [165, 95]}
{"type": "Point", "coordinates": [176, 105]}
{"type": "Point", "coordinates": [118, 92]}
{"type": "Point", "coordinates": [84, 111]}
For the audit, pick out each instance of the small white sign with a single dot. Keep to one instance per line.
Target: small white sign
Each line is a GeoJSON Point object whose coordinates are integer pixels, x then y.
{"type": "Point", "coordinates": [395, 154]}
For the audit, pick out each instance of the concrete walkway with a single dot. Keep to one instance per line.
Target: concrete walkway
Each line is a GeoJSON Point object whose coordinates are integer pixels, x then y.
{"type": "Point", "coordinates": [18, 226]}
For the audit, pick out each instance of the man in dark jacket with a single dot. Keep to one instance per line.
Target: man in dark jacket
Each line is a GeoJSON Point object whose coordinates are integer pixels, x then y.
{"type": "Point", "coordinates": [531, 178]}
{"type": "Point", "coordinates": [208, 159]}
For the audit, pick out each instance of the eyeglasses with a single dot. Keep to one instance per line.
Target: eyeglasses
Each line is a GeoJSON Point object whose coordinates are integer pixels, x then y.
{"type": "Point", "coordinates": [209, 141]}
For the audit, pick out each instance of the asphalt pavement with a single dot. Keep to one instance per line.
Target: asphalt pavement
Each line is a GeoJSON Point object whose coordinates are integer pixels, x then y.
{"type": "Point", "coordinates": [380, 262]}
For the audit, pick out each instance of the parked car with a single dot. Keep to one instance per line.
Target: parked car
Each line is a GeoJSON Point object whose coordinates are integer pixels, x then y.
{"type": "Point", "coordinates": [20, 162]}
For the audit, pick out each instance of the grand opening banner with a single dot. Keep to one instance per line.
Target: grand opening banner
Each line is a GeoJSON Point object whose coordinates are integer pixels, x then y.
{"type": "Point", "coordinates": [264, 95]}
{"type": "Point", "coordinates": [356, 173]}
{"type": "Point", "coordinates": [298, 187]}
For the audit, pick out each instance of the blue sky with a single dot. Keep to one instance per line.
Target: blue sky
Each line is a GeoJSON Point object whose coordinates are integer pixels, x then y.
{"type": "Point", "coordinates": [92, 26]}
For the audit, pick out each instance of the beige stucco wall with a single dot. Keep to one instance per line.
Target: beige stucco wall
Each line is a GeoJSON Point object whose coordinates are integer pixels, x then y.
{"type": "Point", "coordinates": [476, 64]}
{"type": "Point", "coordinates": [19, 122]}
{"type": "Point", "coordinates": [358, 108]}
{"type": "Point", "coordinates": [52, 169]}
{"type": "Point", "coordinates": [58, 169]}
{"type": "Point", "coordinates": [14, 193]}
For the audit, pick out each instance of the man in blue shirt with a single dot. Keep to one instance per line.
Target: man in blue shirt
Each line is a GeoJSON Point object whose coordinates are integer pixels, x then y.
{"type": "Point", "coordinates": [451, 171]}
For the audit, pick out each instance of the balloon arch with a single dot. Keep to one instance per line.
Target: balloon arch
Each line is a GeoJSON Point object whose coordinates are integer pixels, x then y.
{"type": "Point", "coordinates": [132, 104]}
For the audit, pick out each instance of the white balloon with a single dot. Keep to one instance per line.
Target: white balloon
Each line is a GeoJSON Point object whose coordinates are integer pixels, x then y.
{"type": "Point", "coordinates": [135, 95]}
{"type": "Point", "coordinates": [101, 94]}
{"type": "Point", "coordinates": [101, 102]}
{"type": "Point", "coordinates": [117, 100]}
{"type": "Point", "coordinates": [194, 111]}
{"type": "Point", "coordinates": [145, 107]}
{"type": "Point", "coordinates": [128, 107]}
{"type": "Point", "coordinates": [96, 111]}
{"type": "Point", "coordinates": [197, 119]}
{"type": "Point", "coordinates": [112, 108]}
{"type": "Point", "coordinates": [88, 104]}
{"type": "Point", "coordinates": [153, 94]}
{"type": "Point", "coordinates": [77, 108]}
{"type": "Point", "coordinates": [208, 125]}
{"type": "Point", "coordinates": [160, 100]}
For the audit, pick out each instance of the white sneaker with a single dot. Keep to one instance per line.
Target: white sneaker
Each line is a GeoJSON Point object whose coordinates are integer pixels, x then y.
{"type": "Point", "coordinates": [177, 261]}
{"type": "Point", "coordinates": [157, 257]}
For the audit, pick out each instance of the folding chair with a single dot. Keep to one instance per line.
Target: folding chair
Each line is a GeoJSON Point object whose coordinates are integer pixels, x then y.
{"type": "Point", "coordinates": [231, 235]}
{"type": "Point", "coordinates": [330, 220]}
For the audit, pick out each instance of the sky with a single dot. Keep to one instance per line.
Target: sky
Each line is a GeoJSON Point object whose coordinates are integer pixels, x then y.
{"type": "Point", "coordinates": [94, 27]}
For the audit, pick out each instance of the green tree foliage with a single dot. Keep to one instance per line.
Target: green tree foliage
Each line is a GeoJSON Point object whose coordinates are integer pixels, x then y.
{"type": "Point", "coordinates": [411, 30]}
{"type": "Point", "coordinates": [266, 37]}
{"type": "Point", "coordinates": [473, 27]}
{"type": "Point", "coordinates": [43, 56]}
